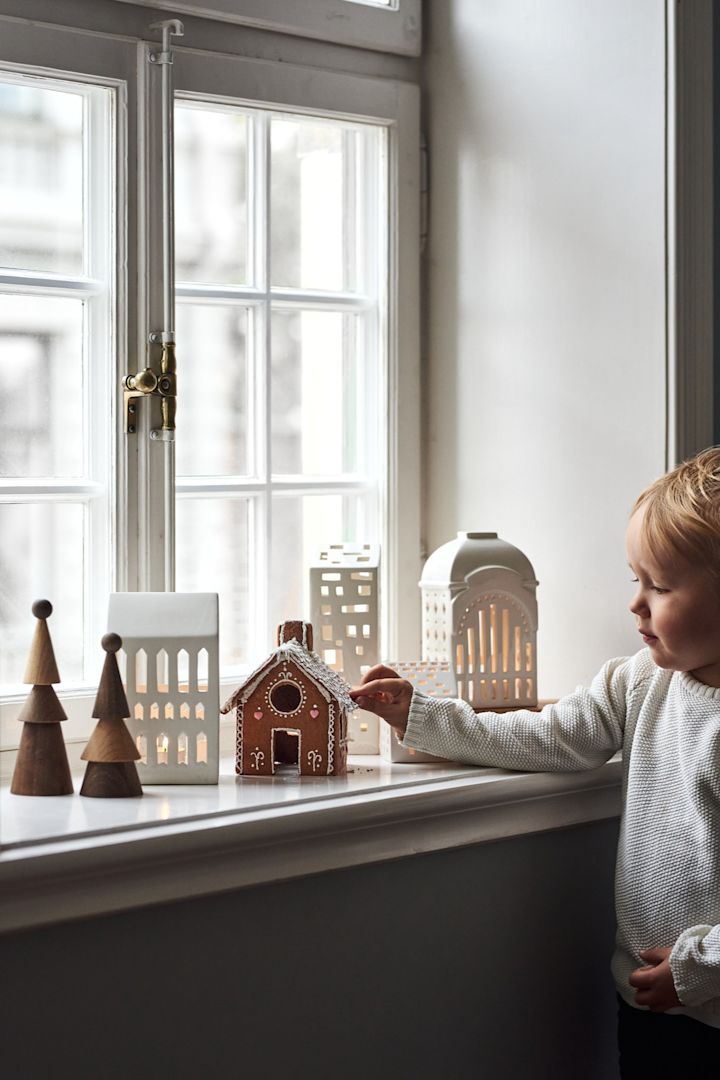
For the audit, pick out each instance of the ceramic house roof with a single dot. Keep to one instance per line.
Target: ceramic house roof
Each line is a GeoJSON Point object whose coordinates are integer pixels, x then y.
{"type": "Point", "coordinates": [166, 616]}
{"type": "Point", "coordinates": [328, 682]}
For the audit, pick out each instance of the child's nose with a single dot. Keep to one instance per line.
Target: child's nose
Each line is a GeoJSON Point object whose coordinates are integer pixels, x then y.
{"type": "Point", "coordinates": [638, 604]}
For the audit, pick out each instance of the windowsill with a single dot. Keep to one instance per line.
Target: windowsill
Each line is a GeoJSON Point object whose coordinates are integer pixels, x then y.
{"type": "Point", "coordinates": [180, 842]}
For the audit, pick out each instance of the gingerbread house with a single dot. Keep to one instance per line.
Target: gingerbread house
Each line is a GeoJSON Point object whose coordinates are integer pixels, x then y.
{"type": "Point", "coordinates": [292, 711]}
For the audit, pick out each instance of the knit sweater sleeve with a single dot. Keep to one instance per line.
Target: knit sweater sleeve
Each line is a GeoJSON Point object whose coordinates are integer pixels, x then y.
{"type": "Point", "coordinates": [695, 965]}
{"type": "Point", "coordinates": [581, 731]}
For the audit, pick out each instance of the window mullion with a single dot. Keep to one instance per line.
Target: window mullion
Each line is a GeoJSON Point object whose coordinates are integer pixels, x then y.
{"type": "Point", "coordinates": [372, 328]}
{"type": "Point", "coordinates": [155, 480]}
{"type": "Point", "coordinates": [100, 528]}
{"type": "Point", "coordinates": [263, 222]}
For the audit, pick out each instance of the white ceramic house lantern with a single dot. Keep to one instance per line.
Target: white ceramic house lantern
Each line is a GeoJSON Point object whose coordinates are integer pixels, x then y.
{"type": "Point", "coordinates": [344, 610]}
{"type": "Point", "coordinates": [171, 674]}
{"type": "Point", "coordinates": [479, 612]}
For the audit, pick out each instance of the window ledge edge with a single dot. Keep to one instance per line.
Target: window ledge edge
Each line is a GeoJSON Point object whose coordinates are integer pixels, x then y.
{"type": "Point", "coordinates": [95, 875]}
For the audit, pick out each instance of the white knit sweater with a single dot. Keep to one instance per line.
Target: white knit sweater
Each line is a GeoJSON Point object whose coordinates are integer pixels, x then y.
{"type": "Point", "coordinates": [667, 882]}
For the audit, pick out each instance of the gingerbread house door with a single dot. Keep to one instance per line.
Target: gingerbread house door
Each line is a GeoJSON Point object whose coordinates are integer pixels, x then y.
{"type": "Point", "coordinates": [285, 747]}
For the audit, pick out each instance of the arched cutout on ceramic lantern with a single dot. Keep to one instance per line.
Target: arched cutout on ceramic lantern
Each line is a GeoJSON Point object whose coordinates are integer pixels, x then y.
{"type": "Point", "coordinates": [183, 671]}
{"type": "Point", "coordinates": [202, 671]}
{"type": "Point", "coordinates": [162, 747]}
{"type": "Point", "coordinates": [141, 672]}
{"type": "Point", "coordinates": [162, 671]}
{"type": "Point", "coordinates": [201, 748]}
{"type": "Point", "coordinates": [141, 743]}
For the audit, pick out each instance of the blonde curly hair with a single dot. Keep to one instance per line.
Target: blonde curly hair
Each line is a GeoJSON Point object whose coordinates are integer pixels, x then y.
{"type": "Point", "coordinates": [682, 511]}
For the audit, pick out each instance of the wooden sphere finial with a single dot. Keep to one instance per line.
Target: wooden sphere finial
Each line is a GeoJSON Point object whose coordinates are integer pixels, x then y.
{"type": "Point", "coordinates": [111, 642]}
{"type": "Point", "coordinates": [42, 609]}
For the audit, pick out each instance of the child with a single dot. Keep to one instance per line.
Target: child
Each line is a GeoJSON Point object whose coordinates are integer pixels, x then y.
{"type": "Point", "coordinates": [662, 708]}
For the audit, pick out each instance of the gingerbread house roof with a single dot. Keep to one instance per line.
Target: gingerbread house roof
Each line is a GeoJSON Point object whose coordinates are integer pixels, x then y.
{"type": "Point", "coordinates": [328, 682]}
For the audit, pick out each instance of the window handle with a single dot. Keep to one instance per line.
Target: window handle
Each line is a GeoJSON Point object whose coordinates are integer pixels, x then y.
{"type": "Point", "coordinates": [147, 384]}
{"type": "Point", "coordinates": [167, 388]}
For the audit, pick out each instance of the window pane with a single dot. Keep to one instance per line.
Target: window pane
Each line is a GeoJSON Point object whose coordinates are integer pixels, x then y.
{"type": "Point", "coordinates": [213, 414]}
{"type": "Point", "coordinates": [312, 213]}
{"type": "Point", "coordinates": [41, 178]}
{"type": "Point", "coordinates": [41, 386]}
{"type": "Point", "coordinates": [316, 393]}
{"type": "Point", "coordinates": [301, 526]}
{"type": "Point", "coordinates": [41, 556]}
{"type": "Point", "coordinates": [210, 194]}
{"type": "Point", "coordinates": [57, 216]}
{"type": "Point", "coordinates": [212, 556]}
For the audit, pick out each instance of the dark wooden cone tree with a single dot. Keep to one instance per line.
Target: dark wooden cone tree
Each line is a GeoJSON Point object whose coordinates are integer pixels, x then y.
{"type": "Point", "coordinates": [41, 766]}
{"type": "Point", "coordinates": [111, 753]}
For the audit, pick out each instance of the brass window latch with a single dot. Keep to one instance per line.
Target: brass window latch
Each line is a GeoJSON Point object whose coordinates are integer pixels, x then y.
{"type": "Point", "coordinates": [147, 383]}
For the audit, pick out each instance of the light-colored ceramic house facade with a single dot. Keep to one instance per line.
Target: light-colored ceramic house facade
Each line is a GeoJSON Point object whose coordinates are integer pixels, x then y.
{"type": "Point", "coordinates": [170, 646]}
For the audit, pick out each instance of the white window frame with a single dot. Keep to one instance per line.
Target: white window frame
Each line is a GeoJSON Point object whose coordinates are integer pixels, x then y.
{"type": "Point", "coordinates": [394, 28]}
{"type": "Point", "coordinates": [140, 464]}
{"type": "Point", "coordinates": [266, 84]}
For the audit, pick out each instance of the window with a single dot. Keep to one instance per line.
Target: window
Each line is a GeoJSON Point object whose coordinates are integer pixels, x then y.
{"type": "Point", "coordinates": [296, 318]}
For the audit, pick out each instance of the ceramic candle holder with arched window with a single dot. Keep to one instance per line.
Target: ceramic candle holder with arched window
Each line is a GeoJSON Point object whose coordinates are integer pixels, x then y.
{"type": "Point", "coordinates": [479, 612]}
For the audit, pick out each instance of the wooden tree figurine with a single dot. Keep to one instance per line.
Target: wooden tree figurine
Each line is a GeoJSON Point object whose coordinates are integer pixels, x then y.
{"type": "Point", "coordinates": [41, 766]}
{"type": "Point", "coordinates": [111, 753]}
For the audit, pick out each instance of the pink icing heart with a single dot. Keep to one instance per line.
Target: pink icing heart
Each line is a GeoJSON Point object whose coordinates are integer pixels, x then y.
{"type": "Point", "coordinates": [314, 712]}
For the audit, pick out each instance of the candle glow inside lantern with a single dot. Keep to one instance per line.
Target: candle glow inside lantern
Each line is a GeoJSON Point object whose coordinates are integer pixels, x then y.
{"type": "Point", "coordinates": [479, 612]}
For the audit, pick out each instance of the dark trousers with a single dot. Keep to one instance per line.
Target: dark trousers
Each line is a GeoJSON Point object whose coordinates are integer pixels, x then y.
{"type": "Point", "coordinates": [655, 1045]}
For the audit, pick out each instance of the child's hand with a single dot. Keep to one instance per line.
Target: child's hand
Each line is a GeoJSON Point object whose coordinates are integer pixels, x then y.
{"type": "Point", "coordinates": [382, 691]}
{"type": "Point", "coordinates": [654, 984]}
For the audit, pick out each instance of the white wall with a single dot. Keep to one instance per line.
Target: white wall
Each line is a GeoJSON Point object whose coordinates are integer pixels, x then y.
{"type": "Point", "coordinates": [545, 367]}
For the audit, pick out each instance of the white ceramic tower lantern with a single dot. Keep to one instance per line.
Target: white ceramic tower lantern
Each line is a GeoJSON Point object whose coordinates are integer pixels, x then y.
{"type": "Point", "coordinates": [344, 611]}
{"type": "Point", "coordinates": [479, 612]}
{"type": "Point", "coordinates": [344, 608]}
{"type": "Point", "coordinates": [171, 675]}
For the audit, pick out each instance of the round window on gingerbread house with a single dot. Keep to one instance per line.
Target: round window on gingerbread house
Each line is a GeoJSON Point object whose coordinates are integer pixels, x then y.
{"type": "Point", "coordinates": [286, 697]}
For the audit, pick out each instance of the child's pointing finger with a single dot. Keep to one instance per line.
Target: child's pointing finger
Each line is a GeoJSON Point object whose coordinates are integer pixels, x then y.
{"type": "Point", "coordinates": [382, 689]}
{"type": "Point", "coordinates": [389, 698]}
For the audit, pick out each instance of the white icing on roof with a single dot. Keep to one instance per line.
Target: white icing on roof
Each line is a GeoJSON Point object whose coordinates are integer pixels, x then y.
{"type": "Point", "coordinates": [328, 682]}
